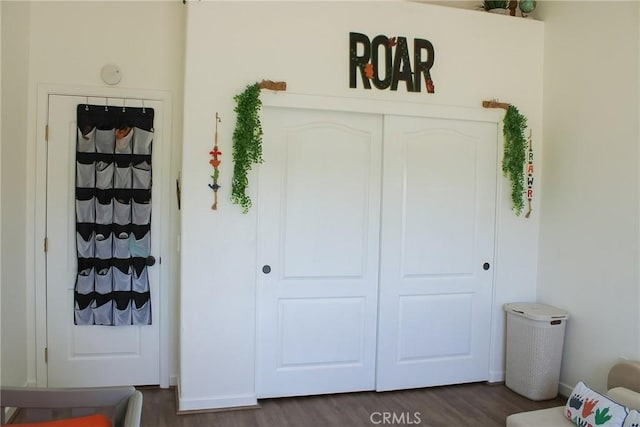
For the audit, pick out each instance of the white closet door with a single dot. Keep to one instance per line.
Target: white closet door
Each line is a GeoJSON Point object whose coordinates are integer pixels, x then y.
{"type": "Point", "coordinates": [318, 242]}
{"type": "Point", "coordinates": [438, 222]}
{"type": "Point", "coordinates": [88, 356]}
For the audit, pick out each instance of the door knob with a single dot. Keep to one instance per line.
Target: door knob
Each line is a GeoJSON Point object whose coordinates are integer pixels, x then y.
{"type": "Point", "coordinates": [486, 266]}
{"type": "Point", "coordinates": [266, 269]}
{"type": "Point", "coordinates": [150, 260]}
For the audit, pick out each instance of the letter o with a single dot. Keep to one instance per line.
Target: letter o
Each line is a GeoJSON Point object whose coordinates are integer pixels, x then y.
{"type": "Point", "coordinates": [375, 61]}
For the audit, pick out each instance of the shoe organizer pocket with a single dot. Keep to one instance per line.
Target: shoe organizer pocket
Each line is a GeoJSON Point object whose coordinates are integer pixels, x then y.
{"type": "Point", "coordinates": [141, 315]}
{"type": "Point", "coordinates": [104, 175]}
{"type": "Point", "coordinates": [140, 283]}
{"type": "Point", "coordinates": [122, 279]}
{"type": "Point", "coordinates": [121, 245]}
{"type": "Point", "coordinates": [122, 316]}
{"type": "Point", "coordinates": [140, 248]}
{"type": "Point", "coordinates": [123, 141]}
{"type": "Point", "coordinates": [141, 213]}
{"type": "Point", "coordinates": [142, 176]}
{"type": "Point", "coordinates": [104, 245]}
{"type": "Point", "coordinates": [104, 280]}
{"type": "Point", "coordinates": [85, 175]}
{"type": "Point", "coordinates": [86, 248]}
{"type": "Point", "coordinates": [86, 143]}
{"type": "Point", "coordinates": [103, 314]}
{"type": "Point", "coordinates": [104, 212]}
{"type": "Point", "coordinates": [121, 212]}
{"type": "Point", "coordinates": [142, 141]}
{"type": "Point", "coordinates": [105, 140]}
{"type": "Point", "coordinates": [84, 316]}
{"type": "Point", "coordinates": [85, 281]}
{"type": "Point", "coordinates": [85, 210]}
{"type": "Point", "coordinates": [122, 177]}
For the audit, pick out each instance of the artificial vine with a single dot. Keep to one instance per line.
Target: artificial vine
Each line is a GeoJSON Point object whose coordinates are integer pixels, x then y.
{"type": "Point", "coordinates": [513, 162]}
{"type": "Point", "coordinates": [247, 143]}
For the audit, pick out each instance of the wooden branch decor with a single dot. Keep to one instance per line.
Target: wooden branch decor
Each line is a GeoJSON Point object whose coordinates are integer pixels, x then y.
{"type": "Point", "coordinates": [271, 85]}
{"type": "Point", "coordinates": [495, 104]}
{"type": "Point", "coordinates": [215, 162]}
{"type": "Point", "coordinates": [515, 154]}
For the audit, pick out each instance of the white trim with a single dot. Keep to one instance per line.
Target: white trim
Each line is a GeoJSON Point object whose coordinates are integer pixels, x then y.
{"type": "Point", "coordinates": [36, 209]}
{"type": "Point", "coordinates": [565, 389]}
{"type": "Point", "coordinates": [103, 92]}
{"type": "Point", "coordinates": [238, 401]}
{"type": "Point", "coordinates": [166, 267]}
{"type": "Point", "coordinates": [217, 402]}
{"type": "Point", "coordinates": [37, 206]}
{"type": "Point", "coordinates": [357, 105]}
{"type": "Point", "coordinates": [173, 381]}
{"type": "Point", "coordinates": [496, 376]}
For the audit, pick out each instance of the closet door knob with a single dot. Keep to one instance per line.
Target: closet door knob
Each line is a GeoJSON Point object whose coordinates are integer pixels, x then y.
{"type": "Point", "coordinates": [266, 269]}
{"type": "Point", "coordinates": [486, 266]}
{"type": "Point", "coordinates": [151, 260]}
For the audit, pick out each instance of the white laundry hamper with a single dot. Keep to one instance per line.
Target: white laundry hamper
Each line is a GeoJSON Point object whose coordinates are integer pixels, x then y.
{"type": "Point", "coordinates": [535, 339]}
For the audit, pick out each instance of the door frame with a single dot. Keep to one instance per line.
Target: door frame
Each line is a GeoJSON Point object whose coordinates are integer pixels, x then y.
{"type": "Point", "coordinates": [37, 205]}
{"type": "Point", "coordinates": [386, 107]}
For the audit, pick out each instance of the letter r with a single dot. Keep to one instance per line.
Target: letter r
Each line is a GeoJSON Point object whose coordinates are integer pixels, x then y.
{"type": "Point", "coordinates": [358, 62]}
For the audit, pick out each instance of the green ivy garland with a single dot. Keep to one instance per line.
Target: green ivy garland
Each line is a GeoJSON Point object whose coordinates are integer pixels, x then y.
{"type": "Point", "coordinates": [247, 143]}
{"type": "Point", "coordinates": [513, 162]}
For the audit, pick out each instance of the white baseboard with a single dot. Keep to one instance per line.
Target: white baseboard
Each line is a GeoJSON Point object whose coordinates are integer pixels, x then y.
{"type": "Point", "coordinates": [217, 402]}
{"type": "Point", "coordinates": [496, 376]}
{"type": "Point", "coordinates": [564, 389]}
{"type": "Point", "coordinates": [173, 381]}
{"type": "Point", "coordinates": [213, 403]}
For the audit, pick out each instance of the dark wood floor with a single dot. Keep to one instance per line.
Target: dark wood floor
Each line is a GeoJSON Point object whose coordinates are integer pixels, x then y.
{"type": "Point", "coordinates": [478, 404]}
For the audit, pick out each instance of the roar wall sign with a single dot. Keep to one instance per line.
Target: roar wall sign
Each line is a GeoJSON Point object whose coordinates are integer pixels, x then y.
{"type": "Point", "coordinates": [385, 62]}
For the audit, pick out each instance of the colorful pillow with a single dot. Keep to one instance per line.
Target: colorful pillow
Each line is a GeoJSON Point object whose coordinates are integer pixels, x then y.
{"type": "Point", "coordinates": [97, 420]}
{"type": "Point", "coordinates": [633, 419]}
{"type": "Point", "coordinates": [587, 407]}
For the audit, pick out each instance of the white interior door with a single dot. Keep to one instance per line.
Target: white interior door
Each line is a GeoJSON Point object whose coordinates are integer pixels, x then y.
{"type": "Point", "coordinates": [83, 356]}
{"type": "Point", "coordinates": [318, 240]}
{"type": "Point", "coordinates": [438, 221]}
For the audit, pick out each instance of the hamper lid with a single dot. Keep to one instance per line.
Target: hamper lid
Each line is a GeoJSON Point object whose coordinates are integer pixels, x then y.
{"type": "Point", "coordinates": [536, 311]}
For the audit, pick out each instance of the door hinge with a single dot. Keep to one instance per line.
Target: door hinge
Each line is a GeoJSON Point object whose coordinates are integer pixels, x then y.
{"type": "Point", "coordinates": [46, 355]}
{"type": "Point", "coordinates": [46, 244]}
{"type": "Point", "coordinates": [46, 133]}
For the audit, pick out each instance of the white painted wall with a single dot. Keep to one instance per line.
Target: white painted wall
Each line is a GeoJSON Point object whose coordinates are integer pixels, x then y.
{"type": "Point", "coordinates": [15, 67]}
{"type": "Point", "coordinates": [589, 233]}
{"type": "Point", "coordinates": [68, 43]}
{"type": "Point", "coordinates": [229, 45]}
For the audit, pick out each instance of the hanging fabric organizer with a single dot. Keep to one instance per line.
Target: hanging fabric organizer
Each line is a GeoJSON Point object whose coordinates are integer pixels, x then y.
{"type": "Point", "coordinates": [113, 215]}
